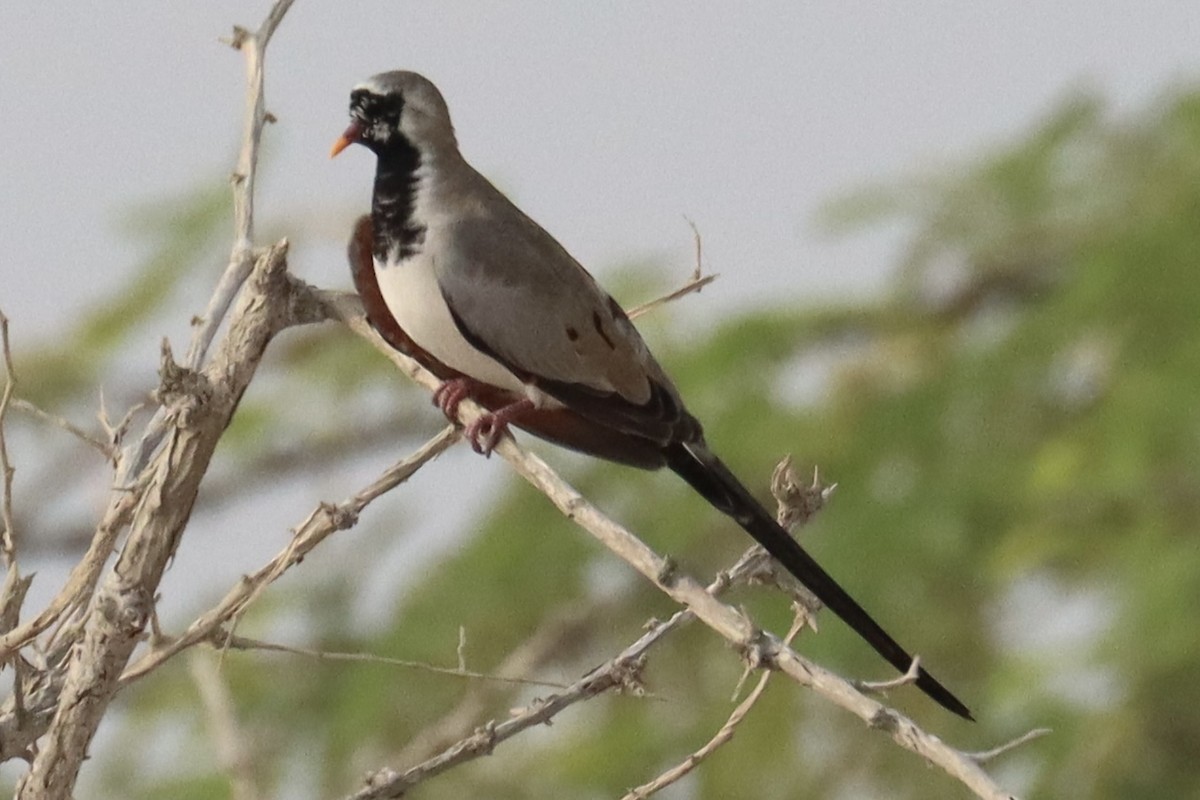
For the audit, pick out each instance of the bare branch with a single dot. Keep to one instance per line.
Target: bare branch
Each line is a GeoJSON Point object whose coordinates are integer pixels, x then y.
{"type": "Point", "coordinates": [699, 243]}
{"type": "Point", "coordinates": [694, 284]}
{"type": "Point", "coordinates": [234, 751]}
{"type": "Point", "coordinates": [254, 47]}
{"type": "Point", "coordinates": [116, 433]}
{"type": "Point", "coordinates": [83, 577]}
{"type": "Point", "coordinates": [104, 448]}
{"type": "Point", "coordinates": [387, 783]}
{"type": "Point", "coordinates": [737, 628]}
{"type": "Point", "coordinates": [324, 520]}
{"type": "Point", "coordinates": [622, 671]}
{"type": "Point", "coordinates": [199, 407]}
{"type": "Point", "coordinates": [720, 738]}
{"type": "Point", "coordinates": [243, 643]}
{"type": "Point", "coordinates": [546, 643]}
{"type": "Point", "coordinates": [984, 756]}
{"type": "Point", "coordinates": [762, 647]}
{"type": "Point", "coordinates": [883, 687]}
{"type": "Point", "coordinates": [8, 537]}
{"type": "Point", "coordinates": [797, 503]}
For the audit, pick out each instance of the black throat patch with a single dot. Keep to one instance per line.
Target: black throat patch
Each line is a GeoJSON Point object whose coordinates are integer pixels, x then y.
{"type": "Point", "coordinates": [397, 234]}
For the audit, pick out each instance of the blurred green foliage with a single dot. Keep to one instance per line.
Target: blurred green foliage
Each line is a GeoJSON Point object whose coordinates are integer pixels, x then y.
{"type": "Point", "coordinates": [1015, 428]}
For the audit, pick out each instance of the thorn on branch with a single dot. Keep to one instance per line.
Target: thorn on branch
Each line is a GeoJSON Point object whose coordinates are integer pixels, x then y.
{"type": "Point", "coordinates": [339, 517]}
{"type": "Point", "coordinates": [984, 756]}
{"type": "Point", "coordinates": [627, 676]}
{"type": "Point", "coordinates": [805, 616]}
{"type": "Point", "coordinates": [699, 250]}
{"type": "Point", "coordinates": [270, 263]}
{"type": "Point", "coordinates": [797, 503]}
{"type": "Point", "coordinates": [8, 537]}
{"type": "Point", "coordinates": [759, 651]}
{"type": "Point", "coordinates": [238, 39]}
{"type": "Point", "coordinates": [883, 720]}
{"type": "Point", "coordinates": [695, 283]}
{"type": "Point", "coordinates": [182, 389]}
{"type": "Point", "coordinates": [668, 572]}
{"type": "Point", "coordinates": [883, 687]}
{"type": "Point", "coordinates": [485, 738]}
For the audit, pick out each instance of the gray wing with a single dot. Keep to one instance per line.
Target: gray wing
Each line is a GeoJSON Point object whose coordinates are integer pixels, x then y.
{"type": "Point", "coordinates": [516, 294]}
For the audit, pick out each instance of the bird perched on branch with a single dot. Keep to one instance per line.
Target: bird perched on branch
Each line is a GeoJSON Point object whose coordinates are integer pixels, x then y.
{"type": "Point", "coordinates": [455, 275]}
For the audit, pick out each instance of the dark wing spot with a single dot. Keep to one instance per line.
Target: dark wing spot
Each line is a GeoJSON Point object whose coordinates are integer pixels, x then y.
{"type": "Point", "coordinates": [572, 334]}
{"type": "Point", "coordinates": [599, 326]}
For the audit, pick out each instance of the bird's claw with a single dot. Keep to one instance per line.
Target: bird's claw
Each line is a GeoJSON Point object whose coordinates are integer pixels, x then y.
{"type": "Point", "coordinates": [449, 396]}
{"type": "Point", "coordinates": [485, 432]}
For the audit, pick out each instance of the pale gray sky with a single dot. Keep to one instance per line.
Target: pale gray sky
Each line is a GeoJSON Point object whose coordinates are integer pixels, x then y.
{"type": "Point", "coordinates": [607, 122]}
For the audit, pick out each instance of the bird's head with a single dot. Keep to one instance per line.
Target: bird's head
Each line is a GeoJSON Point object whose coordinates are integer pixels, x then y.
{"type": "Point", "coordinates": [396, 109]}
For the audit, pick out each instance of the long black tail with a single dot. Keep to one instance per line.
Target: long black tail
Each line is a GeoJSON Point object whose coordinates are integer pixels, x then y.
{"type": "Point", "coordinates": [720, 487]}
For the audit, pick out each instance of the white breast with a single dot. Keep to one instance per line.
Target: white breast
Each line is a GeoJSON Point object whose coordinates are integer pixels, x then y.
{"type": "Point", "coordinates": [410, 290]}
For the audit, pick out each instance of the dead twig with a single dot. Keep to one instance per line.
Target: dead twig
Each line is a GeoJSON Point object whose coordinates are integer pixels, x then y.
{"type": "Point", "coordinates": [984, 756]}
{"type": "Point", "coordinates": [461, 671]}
{"type": "Point", "coordinates": [7, 537]}
{"type": "Point", "coordinates": [253, 45]}
{"type": "Point", "coordinates": [883, 687]}
{"type": "Point", "coordinates": [235, 751]}
{"type": "Point", "coordinates": [321, 522]}
{"type": "Point", "coordinates": [723, 735]}
{"type": "Point", "coordinates": [104, 448]}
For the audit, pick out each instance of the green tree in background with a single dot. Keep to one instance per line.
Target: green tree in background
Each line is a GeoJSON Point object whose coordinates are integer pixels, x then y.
{"type": "Point", "coordinates": [1015, 429]}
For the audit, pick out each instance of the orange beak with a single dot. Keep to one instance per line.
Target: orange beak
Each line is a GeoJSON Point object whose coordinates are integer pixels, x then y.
{"type": "Point", "coordinates": [348, 137]}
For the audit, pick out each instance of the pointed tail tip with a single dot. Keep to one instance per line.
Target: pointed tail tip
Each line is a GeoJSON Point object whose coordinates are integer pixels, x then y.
{"type": "Point", "coordinates": [709, 476]}
{"type": "Point", "coordinates": [961, 710]}
{"type": "Point", "coordinates": [942, 696]}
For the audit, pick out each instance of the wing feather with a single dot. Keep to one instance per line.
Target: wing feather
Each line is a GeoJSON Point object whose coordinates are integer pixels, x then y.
{"type": "Point", "coordinates": [516, 294]}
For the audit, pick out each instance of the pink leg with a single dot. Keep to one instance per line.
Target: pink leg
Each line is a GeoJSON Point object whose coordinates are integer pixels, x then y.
{"type": "Point", "coordinates": [485, 433]}
{"type": "Point", "coordinates": [450, 395]}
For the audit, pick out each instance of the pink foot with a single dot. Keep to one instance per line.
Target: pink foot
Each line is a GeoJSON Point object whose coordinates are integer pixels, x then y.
{"type": "Point", "coordinates": [450, 395]}
{"type": "Point", "coordinates": [485, 433]}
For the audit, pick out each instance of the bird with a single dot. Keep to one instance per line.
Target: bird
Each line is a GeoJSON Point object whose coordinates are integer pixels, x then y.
{"type": "Point", "coordinates": [453, 273]}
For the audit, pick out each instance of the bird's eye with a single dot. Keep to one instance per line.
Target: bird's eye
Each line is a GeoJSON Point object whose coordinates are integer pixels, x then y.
{"type": "Point", "coordinates": [364, 105]}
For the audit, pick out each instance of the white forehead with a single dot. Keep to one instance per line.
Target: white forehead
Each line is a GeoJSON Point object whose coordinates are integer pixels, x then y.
{"type": "Point", "coordinates": [369, 85]}
{"type": "Point", "coordinates": [397, 81]}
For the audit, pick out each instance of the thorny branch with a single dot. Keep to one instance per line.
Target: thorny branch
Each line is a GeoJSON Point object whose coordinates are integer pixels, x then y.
{"type": "Point", "coordinates": [760, 646]}
{"type": "Point", "coordinates": [796, 504]}
{"type": "Point", "coordinates": [101, 615]}
{"type": "Point", "coordinates": [199, 405]}
{"type": "Point", "coordinates": [460, 671]}
{"type": "Point", "coordinates": [253, 46]}
{"type": "Point", "coordinates": [234, 751]}
{"type": "Point", "coordinates": [694, 284]}
{"type": "Point", "coordinates": [7, 545]}
{"type": "Point", "coordinates": [104, 448]}
{"type": "Point", "coordinates": [324, 520]}
{"type": "Point", "coordinates": [89, 651]}
{"type": "Point", "coordinates": [723, 736]}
